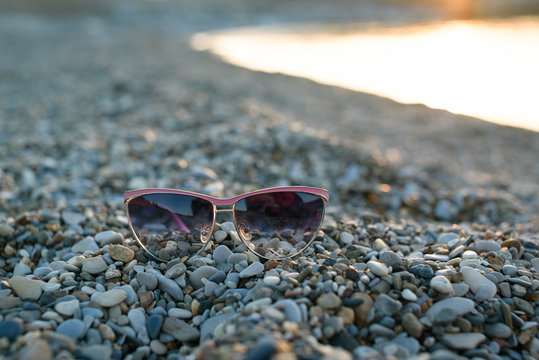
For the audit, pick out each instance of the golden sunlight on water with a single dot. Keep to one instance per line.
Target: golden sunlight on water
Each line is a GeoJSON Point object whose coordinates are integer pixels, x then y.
{"type": "Point", "coordinates": [486, 69]}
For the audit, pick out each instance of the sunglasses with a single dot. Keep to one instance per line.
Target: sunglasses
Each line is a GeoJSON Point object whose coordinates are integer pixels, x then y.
{"type": "Point", "coordinates": [273, 223]}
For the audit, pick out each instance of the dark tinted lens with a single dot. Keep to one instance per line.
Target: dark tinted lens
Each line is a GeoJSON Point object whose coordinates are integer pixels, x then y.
{"type": "Point", "coordinates": [280, 224]}
{"type": "Point", "coordinates": [167, 225]}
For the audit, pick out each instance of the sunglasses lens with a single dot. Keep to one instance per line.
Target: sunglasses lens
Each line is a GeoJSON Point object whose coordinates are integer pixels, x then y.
{"type": "Point", "coordinates": [169, 224]}
{"type": "Point", "coordinates": [280, 224]}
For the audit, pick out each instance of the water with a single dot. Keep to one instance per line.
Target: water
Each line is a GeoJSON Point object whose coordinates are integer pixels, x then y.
{"type": "Point", "coordinates": [485, 69]}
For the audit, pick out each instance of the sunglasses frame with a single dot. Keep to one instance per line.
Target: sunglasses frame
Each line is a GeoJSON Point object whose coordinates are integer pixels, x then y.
{"type": "Point", "coordinates": [133, 194]}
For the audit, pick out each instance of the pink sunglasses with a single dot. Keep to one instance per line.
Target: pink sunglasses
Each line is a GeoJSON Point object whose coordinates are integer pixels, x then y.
{"type": "Point", "coordinates": [273, 223]}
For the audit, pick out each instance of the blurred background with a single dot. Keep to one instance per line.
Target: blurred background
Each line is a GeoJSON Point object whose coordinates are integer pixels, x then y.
{"type": "Point", "coordinates": [381, 102]}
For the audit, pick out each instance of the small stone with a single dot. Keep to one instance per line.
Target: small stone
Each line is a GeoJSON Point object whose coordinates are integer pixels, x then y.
{"type": "Point", "coordinates": [111, 298]}
{"type": "Point", "coordinates": [446, 316]}
{"type": "Point", "coordinates": [291, 310]}
{"type": "Point", "coordinates": [10, 329]}
{"type": "Point", "coordinates": [445, 210]}
{"type": "Point", "coordinates": [442, 285]}
{"type": "Point", "coordinates": [208, 327]}
{"type": "Point", "coordinates": [423, 271]}
{"type": "Point", "coordinates": [509, 270]}
{"type": "Point", "coordinates": [121, 253]}
{"type": "Point", "coordinates": [220, 235]}
{"type": "Point", "coordinates": [487, 245]}
{"type": "Point", "coordinates": [154, 325]}
{"type": "Point", "coordinates": [6, 230]}
{"type": "Point", "coordinates": [38, 349]}
{"type": "Point", "coordinates": [169, 286]}
{"type": "Point", "coordinates": [21, 269]}
{"type": "Point", "coordinates": [180, 329]}
{"type": "Point", "coordinates": [146, 298]}
{"type": "Point", "coordinates": [176, 271]}
{"type": "Point", "coordinates": [387, 305]}
{"type": "Point", "coordinates": [409, 295]}
{"type": "Point", "coordinates": [236, 258]}
{"type": "Point", "coordinates": [148, 280]}
{"type": "Point", "coordinates": [476, 281]}
{"type": "Point", "coordinates": [390, 258]}
{"type": "Point", "coordinates": [346, 237]}
{"type": "Point", "coordinates": [252, 270]}
{"type": "Point", "coordinates": [469, 254]}
{"type": "Point", "coordinates": [67, 308]}
{"type": "Point", "coordinates": [221, 254]}
{"type": "Point", "coordinates": [272, 280]}
{"type": "Point", "coordinates": [460, 289]}
{"type": "Point", "coordinates": [463, 341]}
{"type": "Point", "coordinates": [86, 244]}
{"type": "Point", "coordinates": [96, 351]}
{"type": "Point", "coordinates": [74, 328]}
{"type": "Point", "coordinates": [412, 325]}
{"type": "Point", "coordinates": [94, 265]}
{"type": "Point", "coordinates": [505, 289]}
{"type": "Point", "coordinates": [380, 245]}
{"type": "Point", "coordinates": [460, 305]}
{"type": "Point", "coordinates": [72, 218]}
{"type": "Point", "coordinates": [158, 347]}
{"type": "Point", "coordinates": [202, 272]}
{"type": "Point", "coordinates": [509, 243]}
{"type": "Point", "coordinates": [26, 288]}
{"type": "Point", "coordinates": [9, 302]}
{"type": "Point", "coordinates": [329, 301]}
{"type": "Point", "coordinates": [378, 268]}
{"type": "Point", "coordinates": [180, 313]}
{"type": "Point", "coordinates": [498, 330]}
{"type": "Point", "coordinates": [524, 306]}
{"type": "Point", "coordinates": [109, 237]}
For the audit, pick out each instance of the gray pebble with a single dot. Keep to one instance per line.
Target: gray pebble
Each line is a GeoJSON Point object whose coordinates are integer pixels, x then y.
{"type": "Point", "coordinates": [202, 272]}
{"type": "Point", "coordinates": [109, 237]}
{"type": "Point", "coordinates": [221, 254]}
{"type": "Point", "coordinates": [252, 270]}
{"type": "Point", "coordinates": [387, 305]}
{"type": "Point", "coordinates": [86, 244]}
{"type": "Point", "coordinates": [74, 328]}
{"type": "Point", "coordinates": [148, 280]}
{"type": "Point", "coordinates": [21, 269]}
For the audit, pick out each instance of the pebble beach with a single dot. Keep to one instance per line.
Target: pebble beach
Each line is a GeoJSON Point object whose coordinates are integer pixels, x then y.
{"type": "Point", "coordinates": [429, 247]}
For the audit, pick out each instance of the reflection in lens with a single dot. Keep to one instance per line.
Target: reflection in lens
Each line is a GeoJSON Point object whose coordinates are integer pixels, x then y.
{"type": "Point", "coordinates": [167, 225]}
{"type": "Point", "coordinates": [280, 224]}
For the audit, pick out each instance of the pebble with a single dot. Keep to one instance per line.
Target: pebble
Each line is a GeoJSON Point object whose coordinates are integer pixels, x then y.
{"type": "Point", "coordinates": [498, 330]}
{"type": "Point", "coordinates": [252, 270]}
{"type": "Point", "coordinates": [387, 305]}
{"type": "Point", "coordinates": [26, 288]}
{"type": "Point", "coordinates": [68, 307]}
{"type": "Point", "coordinates": [409, 295]}
{"type": "Point", "coordinates": [509, 270]}
{"type": "Point", "coordinates": [329, 301]}
{"type": "Point", "coordinates": [121, 253]}
{"type": "Point", "coordinates": [208, 327]}
{"type": "Point", "coordinates": [94, 265]}
{"type": "Point", "coordinates": [221, 254]}
{"type": "Point", "coordinates": [153, 325]}
{"type": "Point", "coordinates": [442, 285]}
{"type": "Point", "coordinates": [202, 272]}
{"type": "Point", "coordinates": [422, 271]}
{"type": "Point", "coordinates": [176, 271]}
{"type": "Point", "coordinates": [9, 302]}
{"type": "Point", "coordinates": [86, 244]}
{"type": "Point", "coordinates": [479, 284]}
{"type": "Point", "coordinates": [460, 289]}
{"type": "Point", "coordinates": [148, 280]}
{"type": "Point", "coordinates": [111, 298]}
{"type": "Point", "coordinates": [291, 310]}
{"type": "Point", "coordinates": [10, 329]}
{"type": "Point", "coordinates": [469, 254]}
{"type": "Point", "coordinates": [181, 330]}
{"type": "Point", "coordinates": [21, 269]}
{"type": "Point", "coordinates": [390, 258]}
{"type": "Point", "coordinates": [487, 245]}
{"type": "Point", "coordinates": [461, 306]}
{"type": "Point", "coordinates": [109, 237]}
{"type": "Point", "coordinates": [170, 286]}
{"type": "Point", "coordinates": [535, 264]}
{"type": "Point", "coordinates": [180, 313]}
{"type": "Point", "coordinates": [236, 258]}
{"type": "Point", "coordinates": [463, 341]}
{"type": "Point", "coordinates": [272, 280]}
{"type": "Point", "coordinates": [378, 268]}
{"type": "Point", "coordinates": [38, 349]}
{"type": "Point", "coordinates": [74, 328]}
{"type": "Point", "coordinates": [412, 325]}
{"type": "Point", "coordinates": [346, 237]}
{"type": "Point", "coordinates": [220, 235]}
{"type": "Point", "coordinates": [158, 347]}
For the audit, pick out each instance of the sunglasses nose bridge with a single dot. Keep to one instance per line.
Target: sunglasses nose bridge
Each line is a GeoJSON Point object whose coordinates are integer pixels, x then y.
{"type": "Point", "coordinates": [219, 211]}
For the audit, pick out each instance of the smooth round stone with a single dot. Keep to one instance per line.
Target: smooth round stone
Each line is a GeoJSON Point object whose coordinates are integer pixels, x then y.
{"type": "Point", "coordinates": [445, 210]}
{"type": "Point", "coordinates": [169, 286]}
{"type": "Point", "coordinates": [291, 310]}
{"type": "Point", "coordinates": [437, 257]}
{"type": "Point", "coordinates": [109, 237]}
{"type": "Point", "coordinates": [26, 288]}
{"type": "Point", "coordinates": [272, 280]}
{"type": "Point", "coordinates": [72, 218]}
{"type": "Point", "coordinates": [510, 270]}
{"type": "Point", "coordinates": [180, 313]}
{"type": "Point", "coordinates": [221, 254]}
{"type": "Point", "coordinates": [447, 237]}
{"type": "Point", "coordinates": [236, 258]}
{"type": "Point", "coordinates": [446, 316]}
{"type": "Point", "coordinates": [148, 280]}
{"type": "Point", "coordinates": [424, 271]}
{"type": "Point", "coordinates": [460, 305]}
{"type": "Point", "coordinates": [457, 251]}
{"type": "Point", "coordinates": [74, 328]}
{"type": "Point", "coordinates": [252, 270]}
{"type": "Point", "coordinates": [463, 341]}
{"type": "Point", "coordinates": [21, 269]}
{"type": "Point", "coordinates": [67, 308]}
{"type": "Point", "coordinates": [487, 245]}
{"type": "Point", "coordinates": [390, 258]}
{"type": "Point", "coordinates": [94, 265]}
{"type": "Point", "coordinates": [111, 298]}
{"type": "Point", "coordinates": [219, 236]}
{"type": "Point", "coordinates": [93, 312]}
{"type": "Point", "coordinates": [485, 292]}
{"type": "Point", "coordinates": [329, 301]}
{"type": "Point", "coordinates": [378, 268]}
{"type": "Point", "coordinates": [50, 287]}
{"type": "Point", "coordinates": [232, 280]}
{"type": "Point", "coordinates": [228, 227]}
{"type": "Point", "coordinates": [535, 264]}
{"type": "Point", "coordinates": [121, 253]}
{"type": "Point", "coordinates": [380, 245]}
{"type": "Point", "coordinates": [42, 271]}
{"type": "Point", "coordinates": [498, 330]}
{"type": "Point", "coordinates": [441, 284]}
{"type": "Point", "coordinates": [176, 271]}
{"type": "Point", "coordinates": [346, 237]}
{"type": "Point", "coordinates": [158, 347]}
{"type": "Point", "coordinates": [86, 244]}
{"type": "Point", "coordinates": [412, 325]}
{"type": "Point", "coordinates": [153, 325]}
{"type": "Point", "coordinates": [476, 281]}
{"type": "Point", "coordinates": [10, 329]}
{"type": "Point", "coordinates": [202, 272]}
{"type": "Point", "coordinates": [380, 330]}
{"type": "Point", "coordinates": [137, 319]}
{"type": "Point", "coordinates": [460, 289]}
{"type": "Point", "coordinates": [387, 305]}
{"type": "Point", "coordinates": [469, 254]}
{"type": "Point", "coordinates": [409, 295]}
{"type": "Point", "coordinates": [263, 350]}
{"type": "Point", "coordinates": [9, 302]}
{"type": "Point", "coordinates": [218, 277]}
